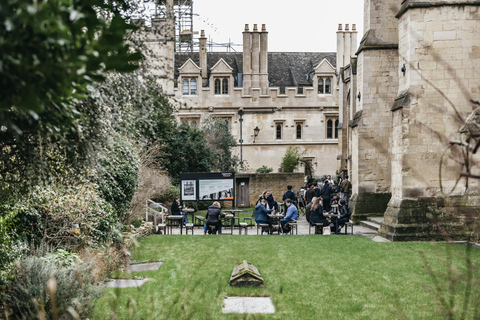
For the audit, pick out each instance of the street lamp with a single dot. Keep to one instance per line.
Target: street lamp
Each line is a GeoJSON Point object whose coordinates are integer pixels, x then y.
{"type": "Point", "coordinates": [255, 133]}
{"type": "Point", "coordinates": [241, 113]}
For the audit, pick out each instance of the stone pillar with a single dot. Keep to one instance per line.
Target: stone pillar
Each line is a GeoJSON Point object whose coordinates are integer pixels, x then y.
{"type": "Point", "coordinates": [371, 125]}
{"type": "Point", "coordinates": [264, 60]}
{"type": "Point", "coordinates": [247, 61]}
{"type": "Point", "coordinates": [255, 57]}
{"type": "Point", "coordinates": [340, 44]}
{"type": "Point", "coordinates": [347, 46]}
{"type": "Point", "coordinates": [437, 45]}
{"type": "Point", "coordinates": [203, 57]}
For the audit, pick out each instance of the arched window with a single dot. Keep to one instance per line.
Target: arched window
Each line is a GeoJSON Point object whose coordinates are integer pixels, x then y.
{"type": "Point", "coordinates": [279, 131]}
{"type": "Point", "coordinates": [193, 86]}
{"type": "Point", "coordinates": [217, 86]}
{"type": "Point", "coordinates": [186, 86]}
{"type": "Point", "coordinates": [225, 86]}
{"type": "Point", "coordinates": [299, 131]}
{"type": "Point", "coordinates": [329, 129]}
{"type": "Point", "coordinates": [320, 86]}
{"type": "Point", "coordinates": [328, 86]}
{"type": "Point", "coordinates": [336, 129]}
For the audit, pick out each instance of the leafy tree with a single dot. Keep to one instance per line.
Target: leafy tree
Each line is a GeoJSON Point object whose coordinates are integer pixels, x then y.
{"type": "Point", "coordinates": [220, 141]}
{"type": "Point", "coordinates": [291, 159]}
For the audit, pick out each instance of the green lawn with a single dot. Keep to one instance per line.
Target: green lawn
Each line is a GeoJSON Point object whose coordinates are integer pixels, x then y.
{"type": "Point", "coordinates": [307, 277]}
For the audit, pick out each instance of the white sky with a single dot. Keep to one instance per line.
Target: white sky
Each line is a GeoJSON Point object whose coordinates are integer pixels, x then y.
{"type": "Point", "coordinates": [293, 26]}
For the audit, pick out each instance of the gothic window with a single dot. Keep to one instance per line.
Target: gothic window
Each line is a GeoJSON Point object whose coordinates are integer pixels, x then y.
{"type": "Point", "coordinates": [329, 129]}
{"type": "Point", "coordinates": [278, 131]}
{"type": "Point", "coordinates": [325, 85]}
{"type": "Point", "coordinates": [189, 86]}
{"type": "Point", "coordinates": [320, 86]}
{"type": "Point", "coordinates": [299, 131]}
{"type": "Point", "coordinates": [328, 86]}
{"type": "Point", "coordinates": [217, 86]}
{"type": "Point", "coordinates": [225, 86]}
{"type": "Point", "coordinates": [336, 129]}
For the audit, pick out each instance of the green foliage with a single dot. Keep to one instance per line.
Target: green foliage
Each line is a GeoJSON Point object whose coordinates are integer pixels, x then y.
{"type": "Point", "coordinates": [187, 151]}
{"type": "Point", "coordinates": [44, 287]}
{"type": "Point", "coordinates": [220, 141]}
{"type": "Point", "coordinates": [264, 169]}
{"type": "Point", "coordinates": [117, 176]}
{"type": "Point", "coordinates": [66, 217]}
{"type": "Point", "coordinates": [51, 50]}
{"type": "Point", "coordinates": [291, 159]}
{"type": "Point", "coordinates": [11, 248]}
{"type": "Point", "coordinates": [62, 258]}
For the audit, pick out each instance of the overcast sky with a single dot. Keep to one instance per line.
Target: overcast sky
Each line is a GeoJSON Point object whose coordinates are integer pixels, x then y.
{"type": "Point", "coordinates": [293, 26]}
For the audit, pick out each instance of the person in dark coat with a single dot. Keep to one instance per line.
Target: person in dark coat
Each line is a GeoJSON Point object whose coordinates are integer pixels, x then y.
{"type": "Point", "coordinates": [261, 214]}
{"type": "Point", "coordinates": [345, 215]}
{"type": "Point", "coordinates": [289, 194]}
{"type": "Point", "coordinates": [316, 215]}
{"type": "Point", "coordinates": [214, 214]}
{"type": "Point", "coordinates": [176, 210]}
{"type": "Point", "coordinates": [308, 209]}
{"type": "Point", "coordinates": [267, 195]}
{"type": "Point", "coordinates": [326, 194]}
{"type": "Point", "coordinates": [309, 194]}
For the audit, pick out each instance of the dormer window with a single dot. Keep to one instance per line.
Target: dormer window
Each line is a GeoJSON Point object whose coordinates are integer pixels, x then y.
{"type": "Point", "coordinates": [189, 86]}
{"type": "Point", "coordinates": [221, 86]}
{"type": "Point", "coordinates": [324, 85]}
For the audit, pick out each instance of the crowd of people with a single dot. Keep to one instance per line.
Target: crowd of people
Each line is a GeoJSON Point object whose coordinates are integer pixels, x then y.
{"type": "Point", "coordinates": [317, 198]}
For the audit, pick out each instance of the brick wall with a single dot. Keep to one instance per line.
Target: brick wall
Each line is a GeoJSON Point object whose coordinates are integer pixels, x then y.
{"type": "Point", "coordinates": [276, 182]}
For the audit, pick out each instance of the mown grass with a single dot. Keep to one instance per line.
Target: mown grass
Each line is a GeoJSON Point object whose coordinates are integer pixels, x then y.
{"type": "Point", "coordinates": [307, 277]}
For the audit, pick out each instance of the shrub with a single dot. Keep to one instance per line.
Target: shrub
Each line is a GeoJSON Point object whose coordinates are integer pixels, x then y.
{"type": "Point", "coordinates": [291, 159]}
{"type": "Point", "coordinates": [11, 248]}
{"type": "Point", "coordinates": [118, 175]}
{"type": "Point", "coordinates": [67, 217]}
{"type": "Point", "coordinates": [43, 288]}
{"type": "Point", "coordinates": [264, 169]}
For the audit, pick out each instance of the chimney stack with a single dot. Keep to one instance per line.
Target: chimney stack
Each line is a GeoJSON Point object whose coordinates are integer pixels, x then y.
{"type": "Point", "coordinates": [255, 57]}
{"type": "Point", "coordinates": [247, 61]}
{"type": "Point", "coordinates": [203, 57]}
{"type": "Point", "coordinates": [264, 59]}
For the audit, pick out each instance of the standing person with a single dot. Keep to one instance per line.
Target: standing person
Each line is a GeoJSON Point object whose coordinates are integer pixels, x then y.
{"type": "Point", "coordinates": [292, 214]}
{"type": "Point", "coordinates": [261, 214]}
{"type": "Point", "coordinates": [309, 194]}
{"type": "Point", "coordinates": [346, 189]}
{"type": "Point", "coordinates": [176, 210]}
{"type": "Point", "coordinates": [317, 190]}
{"type": "Point", "coordinates": [326, 194]}
{"type": "Point", "coordinates": [289, 194]}
{"type": "Point", "coordinates": [213, 217]}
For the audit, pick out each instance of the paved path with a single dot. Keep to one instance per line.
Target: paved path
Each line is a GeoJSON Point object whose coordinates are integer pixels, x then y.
{"type": "Point", "coordinates": [302, 230]}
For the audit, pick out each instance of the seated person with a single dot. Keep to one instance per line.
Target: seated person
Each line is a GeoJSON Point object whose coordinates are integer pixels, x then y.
{"type": "Point", "coordinates": [308, 209]}
{"type": "Point", "coordinates": [316, 215]}
{"type": "Point", "coordinates": [213, 217]}
{"type": "Point", "coordinates": [269, 197]}
{"type": "Point", "coordinates": [345, 215]}
{"type": "Point", "coordinates": [261, 214]}
{"type": "Point", "coordinates": [334, 200]}
{"type": "Point", "coordinates": [176, 210]}
{"type": "Point", "coordinates": [291, 215]}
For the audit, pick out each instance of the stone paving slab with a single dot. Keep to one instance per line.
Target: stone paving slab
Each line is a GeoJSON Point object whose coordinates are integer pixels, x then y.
{"type": "Point", "coordinates": [151, 266]}
{"type": "Point", "coordinates": [125, 283]}
{"type": "Point", "coordinates": [248, 305]}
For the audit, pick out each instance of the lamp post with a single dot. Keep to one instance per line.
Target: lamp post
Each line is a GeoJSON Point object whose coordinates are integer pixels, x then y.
{"type": "Point", "coordinates": [255, 133]}
{"type": "Point", "coordinates": [241, 113]}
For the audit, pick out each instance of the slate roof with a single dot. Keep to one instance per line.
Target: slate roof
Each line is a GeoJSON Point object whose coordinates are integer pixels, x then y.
{"type": "Point", "coordinates": [285, 69]}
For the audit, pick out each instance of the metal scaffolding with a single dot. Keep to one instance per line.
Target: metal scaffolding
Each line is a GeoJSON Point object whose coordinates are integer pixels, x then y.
{"type": "Point", "coordinates": [183, 13]}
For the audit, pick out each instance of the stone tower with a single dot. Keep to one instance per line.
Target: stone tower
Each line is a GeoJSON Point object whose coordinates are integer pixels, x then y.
{"type": "Point", "coordinates": [371, 126]}
{"type": "Point", "coordinates": [439, 49]}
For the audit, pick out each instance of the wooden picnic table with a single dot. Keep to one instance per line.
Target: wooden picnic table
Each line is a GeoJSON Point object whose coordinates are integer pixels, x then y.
{"type": "Point", "coordinates": [276, 217]}
{"type": "Point", "coordinates": [190, 211]}
{"type": "Point", "coordinates": [174, 219]}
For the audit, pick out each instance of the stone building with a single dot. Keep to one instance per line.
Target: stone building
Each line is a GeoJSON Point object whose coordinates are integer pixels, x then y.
{"type": "Point", "coordinates": [414, 77]}
{"type": "Point", "coordinates": [271, 100]}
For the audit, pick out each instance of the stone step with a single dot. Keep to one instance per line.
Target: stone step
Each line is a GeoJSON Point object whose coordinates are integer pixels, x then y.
{"type": "Point", "coordinates": [377, 220]}
{"type": "Point", "coordinates": [371, 225]}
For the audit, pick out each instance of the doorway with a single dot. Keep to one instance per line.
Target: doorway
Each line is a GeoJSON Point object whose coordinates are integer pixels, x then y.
{"type": "Point", "coordinates": [243, 192]}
